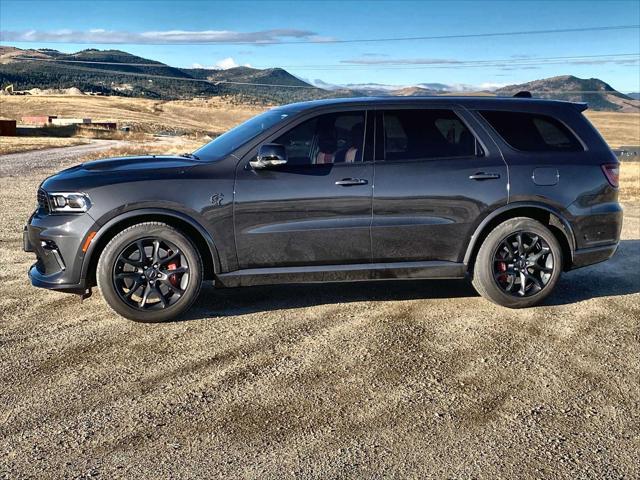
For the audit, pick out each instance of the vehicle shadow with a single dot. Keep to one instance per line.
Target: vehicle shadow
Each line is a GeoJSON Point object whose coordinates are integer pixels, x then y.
{"type": "Point", "coordinates": [618, 276]}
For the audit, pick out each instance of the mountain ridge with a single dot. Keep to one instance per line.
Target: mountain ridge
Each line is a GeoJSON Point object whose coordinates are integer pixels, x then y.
{"type": "Point", "coordinates": [116, 72]}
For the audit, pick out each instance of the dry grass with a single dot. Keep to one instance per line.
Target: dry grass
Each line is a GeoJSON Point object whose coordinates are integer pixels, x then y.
{"type": "Point", "coordinates": [198, 115]}
{"type": "Point", "coordinates": [170, 146]}
{"type": "Point", "coordinates": [22, 144]}
{"type": "Point", "coordinates": [618, 129]}
{"type": "Point", "coordinates": [630, 181]}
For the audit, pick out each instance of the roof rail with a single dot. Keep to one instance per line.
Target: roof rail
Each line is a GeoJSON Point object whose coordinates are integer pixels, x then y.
{"type": "Point", "coordinates": [523, 94]}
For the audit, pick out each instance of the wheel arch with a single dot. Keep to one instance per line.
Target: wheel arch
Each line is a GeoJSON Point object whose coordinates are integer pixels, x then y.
{"type": "Point", "coordinates": [190, 227]}
{"type": "Point", "coordinates": [546, 215]}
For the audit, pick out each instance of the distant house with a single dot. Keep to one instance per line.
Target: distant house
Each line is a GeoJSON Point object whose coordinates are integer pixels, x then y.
{"type": "Point", "coordinates": [7, 128]}
{"type": "Point", "coordinates": [70, 121]}
{"type": "Point", "coordinates": [39, 120]}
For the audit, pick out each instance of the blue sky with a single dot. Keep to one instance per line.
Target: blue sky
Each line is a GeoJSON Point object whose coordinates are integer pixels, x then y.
{"type": "Point", "coordinates": [169, 24]}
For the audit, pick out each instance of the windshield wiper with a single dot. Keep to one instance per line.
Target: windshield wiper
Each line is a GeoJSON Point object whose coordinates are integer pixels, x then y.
{"type": "Point", "coordinates": [190, 155]}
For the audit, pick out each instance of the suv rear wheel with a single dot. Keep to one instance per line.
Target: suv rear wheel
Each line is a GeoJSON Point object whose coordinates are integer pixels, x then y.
{"type": "Point", "coordinates": [150, 272]}
{"type": "Point", "coordinates": [518, 264]}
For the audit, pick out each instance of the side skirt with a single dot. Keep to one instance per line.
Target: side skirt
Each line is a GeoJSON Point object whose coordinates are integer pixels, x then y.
{"type": "Point", "coordinates": [342, 273]}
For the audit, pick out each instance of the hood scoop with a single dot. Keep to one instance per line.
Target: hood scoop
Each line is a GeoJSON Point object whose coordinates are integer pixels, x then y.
{"type": "Point", "coordinates": [138, 163]}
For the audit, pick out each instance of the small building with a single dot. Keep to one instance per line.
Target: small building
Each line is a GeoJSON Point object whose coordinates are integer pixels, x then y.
{"type": "Point", "coordinates": [99, 126]}
{"type": "Point", "coordinates": [39, 120]}
{"type": "Point", "coordinates": [7, 128]}
{"type": "Point", "coordinates": [70, 121]}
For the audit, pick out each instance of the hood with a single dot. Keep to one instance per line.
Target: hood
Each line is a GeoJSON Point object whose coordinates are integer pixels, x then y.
{"type": "Point", "coordinates": [118, 170]}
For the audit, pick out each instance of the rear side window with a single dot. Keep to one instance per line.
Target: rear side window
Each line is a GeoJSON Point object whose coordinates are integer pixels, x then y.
{"type": "Point", "coordinates": [530, 132]}
{"type": "Point", "coordinates": [421, 134]}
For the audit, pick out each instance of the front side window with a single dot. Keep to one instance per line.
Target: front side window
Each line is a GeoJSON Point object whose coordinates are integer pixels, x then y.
{"type": "Point", "coordinates": [530, 132]}
{"type": "Point", "coordinates": [421, 134]}
{"type": "Point", "coordinates": [234, 138]}
{"type": "Point", "coordinates": [326, 139]}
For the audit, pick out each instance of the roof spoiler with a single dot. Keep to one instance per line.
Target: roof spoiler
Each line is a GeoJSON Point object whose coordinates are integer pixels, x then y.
{"type": "Point", "coordinates": [581, 106]}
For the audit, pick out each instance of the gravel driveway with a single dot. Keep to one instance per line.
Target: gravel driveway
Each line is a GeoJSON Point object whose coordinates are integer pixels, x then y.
{"type": "Point", "coordinates": [408, 379]}
{"type": "Point", "coordinates": [15, 164]}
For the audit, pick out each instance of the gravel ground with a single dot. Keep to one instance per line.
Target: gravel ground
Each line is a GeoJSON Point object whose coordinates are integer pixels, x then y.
{"type": "Point", "coordinates": [15, 164]}
{"type": "Point", "coordinates": [404, 379]}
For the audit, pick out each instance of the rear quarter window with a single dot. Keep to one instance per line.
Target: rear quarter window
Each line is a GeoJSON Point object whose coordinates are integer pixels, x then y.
{"type": "Point", "coordinates": [531, 132]}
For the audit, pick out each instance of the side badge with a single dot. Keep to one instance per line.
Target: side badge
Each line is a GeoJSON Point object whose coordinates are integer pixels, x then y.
{"type": "Point", "coordinates": [216, 199]}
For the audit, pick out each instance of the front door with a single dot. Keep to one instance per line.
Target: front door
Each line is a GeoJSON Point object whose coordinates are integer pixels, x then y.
{"type": "Point", "coordinates": [316, 209]}
{"type": "Point", "coordinates": [435, 180]}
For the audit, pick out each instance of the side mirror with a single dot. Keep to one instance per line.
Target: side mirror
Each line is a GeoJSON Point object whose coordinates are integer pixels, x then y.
{"type": "Point", "coordinates": [269, 155]}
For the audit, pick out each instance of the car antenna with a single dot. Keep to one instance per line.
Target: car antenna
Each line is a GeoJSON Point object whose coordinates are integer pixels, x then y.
{"type": "Point", "coordinates": [523, 94]}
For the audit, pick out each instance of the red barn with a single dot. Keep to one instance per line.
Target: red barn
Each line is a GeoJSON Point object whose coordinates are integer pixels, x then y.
{"type": "Point", "coordinates": [38, 119]}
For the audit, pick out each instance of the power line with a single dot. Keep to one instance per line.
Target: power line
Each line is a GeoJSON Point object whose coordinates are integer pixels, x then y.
{"type": "Point", "coordinates": [435, 63]}
{"type": "Point", "coordinates": [446, 37]}
{"type": "Point", "coordinates": [362, 40]}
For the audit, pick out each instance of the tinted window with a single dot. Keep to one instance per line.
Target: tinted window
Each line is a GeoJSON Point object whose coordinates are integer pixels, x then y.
{"type": "Point", "coordinates": [416, 134]}
{"type": "Point", "coordinates": [531, 132]}
{"type": "Point", "coordinates": [229, 141]}
{"type": "Point", "coordinates": [331, 138]}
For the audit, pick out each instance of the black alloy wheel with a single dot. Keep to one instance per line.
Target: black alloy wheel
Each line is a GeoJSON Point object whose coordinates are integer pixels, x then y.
{"type": "Point", "coordinates": [151, 273]}
{"type": "Point", "coordinates": [518, 264]}
{"type": "Point", "coordinates": [523, 264]}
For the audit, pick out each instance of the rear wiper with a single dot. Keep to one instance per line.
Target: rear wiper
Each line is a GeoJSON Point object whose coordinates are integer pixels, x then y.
{"type": "Point", "coordinates": [190, 155]}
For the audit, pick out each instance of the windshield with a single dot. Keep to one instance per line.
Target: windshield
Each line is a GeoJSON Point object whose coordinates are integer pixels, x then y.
{"type": "Point", "coordinates": [229, 141]}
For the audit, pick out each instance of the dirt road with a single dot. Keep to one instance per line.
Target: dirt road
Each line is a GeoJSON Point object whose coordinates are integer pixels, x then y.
{"type": "Point", "coordinates": [401, 380]}
{"type": "Point", "coordinates": [15, 164]}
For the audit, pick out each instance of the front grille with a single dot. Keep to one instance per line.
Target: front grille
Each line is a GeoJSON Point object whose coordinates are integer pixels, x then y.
{"type": "Point", "coordinates": [43, 200]}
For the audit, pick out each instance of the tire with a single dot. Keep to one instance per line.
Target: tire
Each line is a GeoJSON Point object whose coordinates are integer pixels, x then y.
{"type": "Point", "coordinates": [499, 267]}
{"type": "Point", "coordinates": [141, 286]}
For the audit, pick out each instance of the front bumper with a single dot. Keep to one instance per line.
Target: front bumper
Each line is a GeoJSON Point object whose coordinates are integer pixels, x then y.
{"type": "Point", "coordinates": [57, 243]}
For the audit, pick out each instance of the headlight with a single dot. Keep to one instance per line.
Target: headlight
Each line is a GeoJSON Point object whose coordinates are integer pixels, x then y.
{"type": "Point", "coordinates": [69, 202]}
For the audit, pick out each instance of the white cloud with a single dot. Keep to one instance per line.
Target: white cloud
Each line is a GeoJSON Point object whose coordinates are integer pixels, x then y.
{"type": "Point", "coordinates": [226, 63]}
{"type": "Point", "coordinates": [102, 36]}
{"type": "Point", "coordinates": [492, 85]}
{"type": "Point", "coordinates": [223, 64]}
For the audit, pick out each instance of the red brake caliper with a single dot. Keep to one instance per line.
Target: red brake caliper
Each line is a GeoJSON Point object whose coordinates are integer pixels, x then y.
{"type": "Point", "coordinates": [173, 278]}
{"type": "Point", "coordinates": [502, 266]}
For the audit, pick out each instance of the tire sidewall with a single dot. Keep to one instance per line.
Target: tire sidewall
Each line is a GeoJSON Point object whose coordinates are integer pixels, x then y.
{"type": "Point", "coordinates": [115, 247]}
{"type": "Point", "coordinates": [483, 270]}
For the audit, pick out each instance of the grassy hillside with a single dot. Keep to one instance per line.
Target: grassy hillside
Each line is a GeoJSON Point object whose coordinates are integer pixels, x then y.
{"type": "Point", "coordinates": [213, 115]}
{"type": "Point", "coordinates": [123, 74]}
{"type": "Point", "coordinates": [598, 94]}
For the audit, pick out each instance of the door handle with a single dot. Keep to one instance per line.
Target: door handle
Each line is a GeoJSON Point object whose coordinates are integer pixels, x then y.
{"type": "Point", "coordinates": [484, 176]}
{"type": "Point", "coordinates": [346, 182]}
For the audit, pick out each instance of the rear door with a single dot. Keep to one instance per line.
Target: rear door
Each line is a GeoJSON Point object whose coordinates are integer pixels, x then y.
{"type": "Point", "coordinates": [316, 209]}
{"type": "Point", "coordinates": [437, 174]}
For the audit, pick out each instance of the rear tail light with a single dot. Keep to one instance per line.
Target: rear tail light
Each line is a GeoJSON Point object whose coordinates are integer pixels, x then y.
{"type": "Point", "coordinates": [612, 172]}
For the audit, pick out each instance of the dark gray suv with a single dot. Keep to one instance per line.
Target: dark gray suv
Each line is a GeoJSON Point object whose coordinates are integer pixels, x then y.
{"type": "Point", "coordinates": [509, 192]}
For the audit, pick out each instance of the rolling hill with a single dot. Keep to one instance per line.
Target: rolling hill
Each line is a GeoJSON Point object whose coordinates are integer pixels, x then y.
{"type": "Point", "coordinates": [598, 94]}
{"type": "Point", "coordinates": [123, 74]}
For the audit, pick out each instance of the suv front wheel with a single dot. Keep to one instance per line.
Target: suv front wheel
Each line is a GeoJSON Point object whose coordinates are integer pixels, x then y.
{"type": "Point", "coordinates": [518, 264]}
{"type": "Point", "coordinates": [150, 272]}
